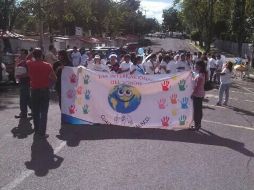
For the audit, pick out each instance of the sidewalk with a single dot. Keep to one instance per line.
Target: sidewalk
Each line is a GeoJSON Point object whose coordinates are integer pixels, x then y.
{"type": "Point", "coordinates": [229, 56]}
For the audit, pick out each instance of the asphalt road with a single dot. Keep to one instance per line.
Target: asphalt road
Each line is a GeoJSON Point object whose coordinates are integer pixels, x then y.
{"type": "Point", "coordinates": [219, 157]}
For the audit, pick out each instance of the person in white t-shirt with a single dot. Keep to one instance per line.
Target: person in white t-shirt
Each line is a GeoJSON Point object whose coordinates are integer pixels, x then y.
{"type": "Point", "coordinates": [151, 66]}
{"type": "Point", "coordinates": [84, 57]}
{"type": "Point", "coordinates": [182, 64]}
{"type": "Point", "coordinates": [164, 64]}
{"type": "Point", "coordinates": [90, 60]}
{"type": "Point", "coordinates": [75, 57]}
{"type": "Point", "coordinates": [219, 66]}
{"type": "Point", "coordinates": [98, 66]}
{"type": "Point", "coordinates": [137, 67]}
{"type": "Point", "coordinates": [125, 65]}
{"type": "Point", "coordinates": [212, 66]}
{"type": "Point", "coordinates": [51, 55]}
{"type": "Point", "coordinates": [225, 83]}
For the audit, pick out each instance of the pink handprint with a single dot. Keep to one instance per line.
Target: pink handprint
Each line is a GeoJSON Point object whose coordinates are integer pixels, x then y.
{"type": "Point", "coordinates": [73, 78]}
{"type": "Point", "coordinates": [165, 121]}
{"type": "Point", "coordinates": [70, 94]}
{"type": "Point", "coordinates": [162, 103]}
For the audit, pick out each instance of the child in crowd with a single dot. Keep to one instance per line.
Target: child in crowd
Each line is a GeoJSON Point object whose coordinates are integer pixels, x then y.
{"type": "Point", "coordinates": [137, 67]}
{"type": "Point", "coordinates": [125, 65]}
{"type": "Point", "coordinates": [113, 64]}
{"type": "Point", "coordinates": [98, 66]}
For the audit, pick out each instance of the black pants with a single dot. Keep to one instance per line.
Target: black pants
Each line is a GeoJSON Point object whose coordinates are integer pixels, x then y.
{"type": "Point", "coordinates": [198, 112]}
{"type": "Point", "coordinates": [212, 72]}
{"type": "Point", "coordinates": [24, 98]}
{"type": "Point", "coordinates": [40, 106]}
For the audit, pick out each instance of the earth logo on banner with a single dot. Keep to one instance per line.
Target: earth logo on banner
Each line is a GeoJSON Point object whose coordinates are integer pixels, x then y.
{"type": "Point", "coordinates": [124, 98]}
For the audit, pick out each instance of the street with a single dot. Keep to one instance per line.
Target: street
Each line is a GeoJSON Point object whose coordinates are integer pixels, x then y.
{"type": "Point", "coordinates": [219, 156]}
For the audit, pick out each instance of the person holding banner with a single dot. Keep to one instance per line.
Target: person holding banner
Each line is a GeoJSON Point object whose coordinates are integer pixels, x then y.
{"type": "Point", "coordinates": [98, 66]}
{"type": "Point", "coordinates": [198, 94]}
{"type": "Point", "coordinates": [58, 67]}
{"type": "Point", "coordinates": [137, 67]}
{"type": "Point", "coordinates": [151, 66]}
{"type": "Point", "coordinates": [125, 65]}
{"type": "Point", "coordinates": [113, 64]}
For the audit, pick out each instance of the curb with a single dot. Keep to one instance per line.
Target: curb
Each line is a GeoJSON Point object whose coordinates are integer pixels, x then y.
{"type": "Point", "coordinates": [197, 47]}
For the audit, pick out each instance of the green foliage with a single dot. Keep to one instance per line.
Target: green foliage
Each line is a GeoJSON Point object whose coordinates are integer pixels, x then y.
{"type": "Point", "coordinates": [195, 35]}
{"type": "Point", "coordinates": [99, 16]}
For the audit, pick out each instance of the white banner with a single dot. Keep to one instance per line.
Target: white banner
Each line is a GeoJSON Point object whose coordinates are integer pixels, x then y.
{"type": "Point", "coordinates": [144, 101]}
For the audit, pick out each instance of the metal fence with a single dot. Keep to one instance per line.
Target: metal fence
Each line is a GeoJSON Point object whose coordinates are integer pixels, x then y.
{"type": "Point", "coordinates": [232, 47]}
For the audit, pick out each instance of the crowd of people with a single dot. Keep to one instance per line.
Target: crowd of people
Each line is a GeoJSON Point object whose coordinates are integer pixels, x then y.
{"type": "Point", "coordinates": [41, 72]}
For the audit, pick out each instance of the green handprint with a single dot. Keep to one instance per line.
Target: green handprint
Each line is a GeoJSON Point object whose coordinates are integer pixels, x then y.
{"type": "Point", "coordinates": [182, 119]}
{"type": "Point", "coordinates": [181, 85]}
{"type": "Point", "coordinates": [86, 79]}
{"type": "Point", "coordinates": [85, 109]}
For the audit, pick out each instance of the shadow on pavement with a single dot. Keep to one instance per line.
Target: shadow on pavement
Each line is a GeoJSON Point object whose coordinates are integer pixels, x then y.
{"type": "Point", "coordinates": [24, 129]}
{"type": "Point", "coordinates": [74, 134]}
{"type": "Point", "coordinates": [43, 158]}
{"type": "Point", "coordinates": [242, 111]}
{"type": "Point", "coordinates": [207, 107]}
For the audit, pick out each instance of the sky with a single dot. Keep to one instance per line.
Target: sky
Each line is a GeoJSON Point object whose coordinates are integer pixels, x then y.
{"type": "Point", "coordinates": [154, 8]}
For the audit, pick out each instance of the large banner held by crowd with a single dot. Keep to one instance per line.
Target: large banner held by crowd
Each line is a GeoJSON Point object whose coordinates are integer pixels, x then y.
{"type": "Point", "coordinates": [143, 101]}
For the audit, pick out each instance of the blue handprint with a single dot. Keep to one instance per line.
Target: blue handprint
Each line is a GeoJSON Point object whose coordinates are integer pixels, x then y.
{"type": "Point", "coordinates": [85, 109]}
{"type": "Point", "coordinates": [184, 103]}
{"type": "Point", "coordinates": [87, 94]}
{"type": "Point", "coordinates": [182, 119]}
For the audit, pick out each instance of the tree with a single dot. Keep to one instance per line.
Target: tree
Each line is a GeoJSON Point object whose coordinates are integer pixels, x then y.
{"type": "Point", "coordinates": [170, 19]}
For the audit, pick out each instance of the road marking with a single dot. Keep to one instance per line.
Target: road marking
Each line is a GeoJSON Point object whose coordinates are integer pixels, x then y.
{"type": "Point", "coordinates": [223, 107]}
{"type": "Point", "coordinates": [25, 174]}
{"type": "Point", "coordinates": [230, 125]}
{"type": "Point", "coordinates": [247, 89]}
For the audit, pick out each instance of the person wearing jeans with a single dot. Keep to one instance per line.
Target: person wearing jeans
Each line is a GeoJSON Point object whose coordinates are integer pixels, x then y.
{"type": "Point", "coordinates": [198, 94]}
{"type": "Point", "coordinates": [24, 85]}
{"type": "Point", "coordinates": [41, 75]}
{"type": "Point", "coordinates": [225, 83]}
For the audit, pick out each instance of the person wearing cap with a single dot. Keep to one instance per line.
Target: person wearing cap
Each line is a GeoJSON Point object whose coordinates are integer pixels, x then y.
{"type": "Point", "coordinates": [41, 74]}
{"type": "Point", "coordinates": [113, 64]}
{"type": "Point", "coordinates": [125, 65]}
{"type": "Point", "coordinates": [98, 66]}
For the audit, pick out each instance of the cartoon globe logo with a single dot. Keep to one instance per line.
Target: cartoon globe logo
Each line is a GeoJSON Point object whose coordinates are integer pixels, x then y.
{"type": "Point", "coordinates": [124, 98]}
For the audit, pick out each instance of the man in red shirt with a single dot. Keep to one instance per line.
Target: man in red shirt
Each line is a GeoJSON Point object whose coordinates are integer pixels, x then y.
{"type": "Point", "coordinates": [41, 74]}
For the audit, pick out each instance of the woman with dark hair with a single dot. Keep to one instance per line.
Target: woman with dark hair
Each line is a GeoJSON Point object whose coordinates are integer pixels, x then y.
{"type": "Point", "coordinates": [225, 83]}
{"type": "Point", "coordinates": [198, 94]}
{"type": "Point", "coordinates": [58, 67]}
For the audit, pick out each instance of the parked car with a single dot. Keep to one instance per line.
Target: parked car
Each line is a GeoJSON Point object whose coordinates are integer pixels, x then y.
{"type": "Point", "coordinates": [145, 42]}
{"type": "Point", "coordinates": [131, 47]}
{"type": "Point", "coordinates": [105, 51]}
